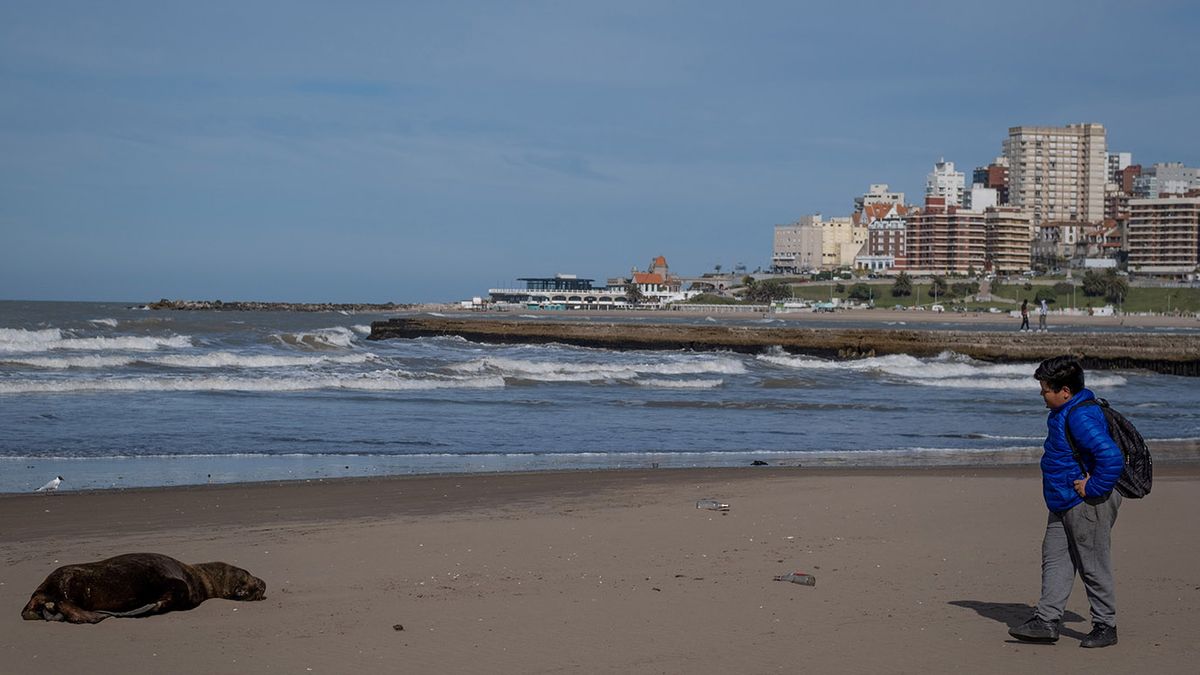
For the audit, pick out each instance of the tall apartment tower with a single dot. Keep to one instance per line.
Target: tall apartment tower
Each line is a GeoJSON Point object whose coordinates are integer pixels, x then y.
{"type": "Point", "coordinates": [946, 183]}
{"type": "Point", "coordinates": [1058, 173]}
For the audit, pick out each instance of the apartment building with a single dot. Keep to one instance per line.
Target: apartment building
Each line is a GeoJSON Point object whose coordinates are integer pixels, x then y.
{"type": "Point", "coordinates": [1008, 239]}
{"type": "Point", "coordinates": [1058, 173]}
{"type": "Point", "coordinates": [945, 183]}
{"type": "Point", "coordinates": [1169, 178]}
{"type": "Point", "coordinates": [944, 238]}
{"type": "Point", "coordinates": [813, 243]}
{"type": "Point", "coordinates": [994, 176]}
{"type": "Point", "coordinates": [887, 238]}
{"type": "Point", "coordinates": [1164, 236]}
{"type": "Point", "coordinates": [877, 193]}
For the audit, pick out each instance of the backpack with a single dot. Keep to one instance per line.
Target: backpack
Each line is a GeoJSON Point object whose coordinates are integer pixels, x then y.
{"type": "Point", "coordinates": [1136, 479]}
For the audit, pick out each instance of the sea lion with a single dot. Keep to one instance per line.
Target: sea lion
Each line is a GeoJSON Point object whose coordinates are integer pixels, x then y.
{"type": "Point", "coordinates": [136, 584]}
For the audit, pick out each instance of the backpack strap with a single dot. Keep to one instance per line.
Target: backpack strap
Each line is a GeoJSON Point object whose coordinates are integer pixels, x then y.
{"type": "Point", "coordinates": [1067, 430]}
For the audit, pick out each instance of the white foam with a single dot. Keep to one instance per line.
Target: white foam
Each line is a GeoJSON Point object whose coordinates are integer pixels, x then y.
{"type": "Point", "coordinates": [680, 384]}
{"type": "Point", "coordinates": [235, 360]}
{"type": "Point", "coordinates": [111, 323]}
{"type": "Point", "coordinates": [571, 371]}
{"type": "Point", "coordinates": [23, 341]}
{"type": "Point", "coordinates": [72, 361]}
{"type": "Point", "coordinates": [947, 365]}
{"type": "Point", "coordinates": [361, 329]}
{"type": "Point", "coordinates": [383, 380]}
{"type": "Point", "coordinates": [338, 337]}
{"type": "Point", "coordinates": [1012, 383]}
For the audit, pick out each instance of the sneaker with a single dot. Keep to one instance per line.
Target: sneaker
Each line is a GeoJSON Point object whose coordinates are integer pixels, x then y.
{"type": "Point", "coordinates": [1102, 635]}
{"type": "Point", "coordinates": [1036, 630]}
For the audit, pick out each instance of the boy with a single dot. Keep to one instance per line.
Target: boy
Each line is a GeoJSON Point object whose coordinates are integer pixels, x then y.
{"type": "Point", "coordinates": [1083, 507]}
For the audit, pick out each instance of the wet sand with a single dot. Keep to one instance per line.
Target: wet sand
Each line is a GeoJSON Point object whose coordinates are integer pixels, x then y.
{"type": "Point", "coordinates": [918, 570]}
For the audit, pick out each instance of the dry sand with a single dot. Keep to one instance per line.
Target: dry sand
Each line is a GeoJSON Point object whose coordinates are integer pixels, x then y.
{"type": "Point", "coordinates": [918, 570]}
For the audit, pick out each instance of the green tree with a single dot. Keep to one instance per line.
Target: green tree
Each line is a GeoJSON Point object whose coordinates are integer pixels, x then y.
{"type": "Point", "coordinates": [937, 289]}
{"type": "Point", "coordinates": [861, 291]}
{"type": "Point", "coordinates": [1045, 293]}
{"type": "Point", "coordinates": [902, 287]}
{"type": "Point", "coordinates": [961, 289]}
{"type": "Point", "coordinates": [1108, 284]}
{"type": "Point", "coordinates": [768, 290]}
{"type": "Point", "coordinates": [633, 294]}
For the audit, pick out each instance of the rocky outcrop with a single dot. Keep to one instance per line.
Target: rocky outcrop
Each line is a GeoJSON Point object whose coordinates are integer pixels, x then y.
{"type": "Point", "coordinates": [255, 306]}
{"type": "Point", "coordinates": [1171, 354]}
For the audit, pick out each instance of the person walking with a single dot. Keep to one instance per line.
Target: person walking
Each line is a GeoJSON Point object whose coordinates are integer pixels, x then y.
{"type": "Point", "coordinates": [1082, 507]}
{"type": "Point", "coordinates": [1024, 315]}
{"type": "Point", "coordinates": [1043, 309]}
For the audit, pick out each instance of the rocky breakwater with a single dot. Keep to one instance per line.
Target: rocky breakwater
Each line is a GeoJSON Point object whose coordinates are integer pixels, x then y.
{"type": "Point", "coordinates": [258, 306]}
{"type": "Point", "coordinates": [1170, 354]}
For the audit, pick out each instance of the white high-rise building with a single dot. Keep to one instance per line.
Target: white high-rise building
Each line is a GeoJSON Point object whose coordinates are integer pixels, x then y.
{"type": "Point", "coordinates": [946, 183]}
{"type": "Point", "coordinates": [1058, 174]}
{"type": "Point", "coordinates": [816, 243]}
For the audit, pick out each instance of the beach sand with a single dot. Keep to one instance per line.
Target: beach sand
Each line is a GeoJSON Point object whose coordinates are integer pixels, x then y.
{"type": "Point", "coordinates": [918, 570]}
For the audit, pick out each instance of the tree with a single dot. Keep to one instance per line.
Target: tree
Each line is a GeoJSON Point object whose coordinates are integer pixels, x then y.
{"type": "Point", "coordinates": [1046, 293]}
{"type": "Point", "coordinates": [633, 294]}
{"type": "Point", "coordinates": [1109, 284]}
{"type": "Point", "coordinates": [717, 267]}
{"type": "Point", "coordinates": [961, 289]}
{"type": "Point", "coordinates": [861, 291]}
{"type": "Point", "coordinates": [937, 288]}
{"type": "Point", "coordinates": [902, 287]}
{"type": "Point", "coordinates": [768, 290]}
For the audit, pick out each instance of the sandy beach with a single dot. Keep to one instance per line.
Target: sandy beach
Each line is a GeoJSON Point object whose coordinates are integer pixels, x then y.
{"type": "Point", "coordinates": [918, 570]}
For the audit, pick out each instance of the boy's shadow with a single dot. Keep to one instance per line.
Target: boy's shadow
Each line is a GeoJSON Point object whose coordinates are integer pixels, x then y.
{"type": "Point", "coordinates": [1013, 614]}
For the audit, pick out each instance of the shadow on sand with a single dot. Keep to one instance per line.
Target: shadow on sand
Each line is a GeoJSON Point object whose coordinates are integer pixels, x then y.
{"type": "Point", "coordinates": [1013, 614]}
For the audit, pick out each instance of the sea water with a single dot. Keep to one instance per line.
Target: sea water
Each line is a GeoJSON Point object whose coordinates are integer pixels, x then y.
{"type": "Point", "coordinates": [114, 395]}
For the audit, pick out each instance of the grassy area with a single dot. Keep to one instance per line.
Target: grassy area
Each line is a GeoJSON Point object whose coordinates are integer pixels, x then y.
{"type": "Point", "coordinates": [1151, 299]}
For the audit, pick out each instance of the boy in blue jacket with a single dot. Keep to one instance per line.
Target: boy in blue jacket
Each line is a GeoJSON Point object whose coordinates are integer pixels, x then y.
{"type": "Point", "coordinates": [1082, 503]}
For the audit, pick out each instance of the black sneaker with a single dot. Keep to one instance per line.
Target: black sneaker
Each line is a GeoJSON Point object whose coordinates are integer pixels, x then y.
{"type": "Point", "coordinates": [1102, 635]}
{"type": "Point", "coordinates": [1036, 630]}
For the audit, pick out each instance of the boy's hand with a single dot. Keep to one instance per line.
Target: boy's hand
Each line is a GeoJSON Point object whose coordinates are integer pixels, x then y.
{"type": "Point", "coordinates": [1081, 485]}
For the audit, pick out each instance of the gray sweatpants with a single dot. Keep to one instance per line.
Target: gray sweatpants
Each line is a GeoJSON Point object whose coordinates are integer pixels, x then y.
{"type": "Point", "coordinates": [1078, 540]}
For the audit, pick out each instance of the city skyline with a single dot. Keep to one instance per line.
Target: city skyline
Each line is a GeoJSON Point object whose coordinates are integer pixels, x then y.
{"type": "Point", "coordinates": [300, 152]}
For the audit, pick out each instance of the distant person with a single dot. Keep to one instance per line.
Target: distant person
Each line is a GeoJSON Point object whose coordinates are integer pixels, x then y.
{"type": "Point", "coordinates": [1024, 315]}
{"type": "Point", "coordinates": [1083, 507]}
{"type": "Point", "coordinates": [1043, 309]}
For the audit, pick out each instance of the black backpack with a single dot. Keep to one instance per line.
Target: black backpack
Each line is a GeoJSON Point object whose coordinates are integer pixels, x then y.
{"type": "Point", "coordinates": [1136, 479]}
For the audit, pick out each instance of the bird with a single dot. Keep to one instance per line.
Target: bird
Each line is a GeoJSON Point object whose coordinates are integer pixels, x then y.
{"type": "Point", "coordinates": [51, 486]}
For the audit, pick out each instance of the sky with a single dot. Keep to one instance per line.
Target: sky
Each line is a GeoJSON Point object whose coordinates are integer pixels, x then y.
{"type": "Point", "coordinates": [426, 151]}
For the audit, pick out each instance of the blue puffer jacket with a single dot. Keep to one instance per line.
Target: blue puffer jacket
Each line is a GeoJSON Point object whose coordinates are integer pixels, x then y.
{"type": "Point", "coordinates": [1097, 449]}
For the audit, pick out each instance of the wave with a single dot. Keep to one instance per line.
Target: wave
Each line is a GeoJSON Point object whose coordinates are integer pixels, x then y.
{"type": "Point", "coordinates": [210, 360]}
{"type": "Point", "coordinates": [21, 340]}
{"type": "Point", "coordinates": [338, 337]}
{"type": "Point", "coordinates": [946, 365]}
{"type": "Point", "coordinates": [111, 323]}
{"type": "Point", "coordinates": [382, 380]}
{"type": "Point", "coordinates": [51, 339]}
{"type": "Point", "coordinates": [680, 384]}
{"type": "Point", "coordinates": [569, 371]}
{"type": "Point", "coordinates": [1093, 382]}
{"type": "Point", "coordinates": [361, 329]}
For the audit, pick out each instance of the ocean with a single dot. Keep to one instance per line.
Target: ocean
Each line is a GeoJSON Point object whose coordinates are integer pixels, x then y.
{"type": "Point", "coordinates": [109, 395]}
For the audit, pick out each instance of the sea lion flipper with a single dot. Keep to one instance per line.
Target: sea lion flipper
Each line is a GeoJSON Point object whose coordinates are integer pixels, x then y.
{"type": "Point", "coordinates": [140, 611]}
{"type": "Point", "coordinates": [72, 613]}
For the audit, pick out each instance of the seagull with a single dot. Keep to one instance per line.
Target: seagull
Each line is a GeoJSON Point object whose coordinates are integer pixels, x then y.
{"type": "Point", "coordinates": [51, 486]}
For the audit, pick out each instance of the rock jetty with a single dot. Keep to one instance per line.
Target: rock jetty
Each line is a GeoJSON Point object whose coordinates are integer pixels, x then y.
{"type": "Point", "coordinates": [256, 306]}
{"type": "Point", "coordinates": [1175, 354]}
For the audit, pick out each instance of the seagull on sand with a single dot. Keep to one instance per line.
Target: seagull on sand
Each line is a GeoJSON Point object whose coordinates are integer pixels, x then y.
{"type": "Point", "coordinates": [51, 486]}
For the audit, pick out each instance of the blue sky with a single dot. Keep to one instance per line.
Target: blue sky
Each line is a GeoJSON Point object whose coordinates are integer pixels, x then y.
{"type": "Point", "coordinates": [403, 151]}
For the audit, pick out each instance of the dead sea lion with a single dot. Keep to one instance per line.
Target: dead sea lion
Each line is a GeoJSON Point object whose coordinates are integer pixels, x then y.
{"type": "Point", "coordinates": [136, 584]}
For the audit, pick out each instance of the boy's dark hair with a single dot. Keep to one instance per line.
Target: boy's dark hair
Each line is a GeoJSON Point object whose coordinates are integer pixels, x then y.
{"type": "Point", "coordinates": [1061, 371]}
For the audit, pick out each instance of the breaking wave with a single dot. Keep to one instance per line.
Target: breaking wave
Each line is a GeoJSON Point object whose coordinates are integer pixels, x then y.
{"type": "Point", "coordinates": [338, 337]}
{"type": "Point", "coordinates": [17, 340]}
{"type": "Point", "coordinates": [568, 371]}
{"type": "Point", "coordinates": [381, 380]}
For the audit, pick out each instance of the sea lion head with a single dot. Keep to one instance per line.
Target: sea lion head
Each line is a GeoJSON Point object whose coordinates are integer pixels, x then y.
{"type": "Point", "coordinates": [232, 583]}
{"type": "Point", "coordinates": [41, 608]}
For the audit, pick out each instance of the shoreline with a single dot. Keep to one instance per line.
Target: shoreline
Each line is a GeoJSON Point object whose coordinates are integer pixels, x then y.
{"type": "Point", "coordinates": [918, 570]}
